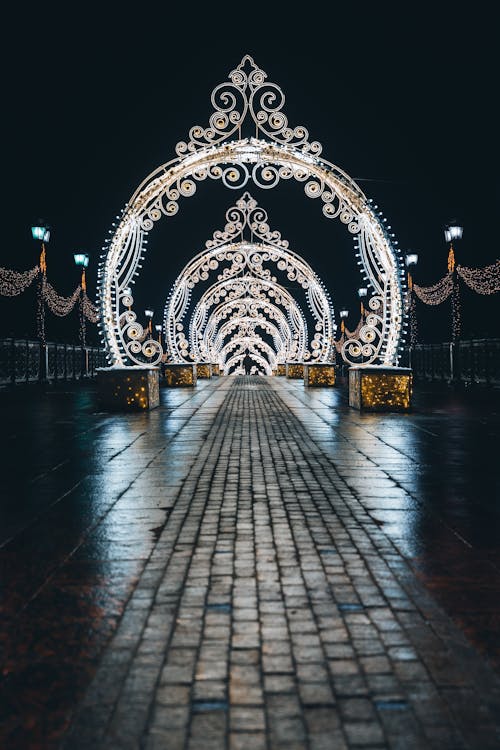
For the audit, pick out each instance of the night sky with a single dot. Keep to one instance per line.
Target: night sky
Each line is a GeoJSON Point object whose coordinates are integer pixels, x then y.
{"type": "Point", "coordinates": [402, 100]}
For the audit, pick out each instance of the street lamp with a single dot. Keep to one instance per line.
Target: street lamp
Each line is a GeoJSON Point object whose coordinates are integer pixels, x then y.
{"type": "Point", "coordinates": [411, 260]}
{"type": "Point", "coordinates": [158, 331]}
{"type": "Point", "coordinates": [82, 261]}
{"type": "Point", "coordinates": [362, 292]}
{"type": "Point", "coordinates": [40, 231]}
{"type": "Point", "coordinates": [343, 315]}
{"type": "Point", "coordinates": [453, 231]}
{"type": "Point", "coordinates": [149, 314]}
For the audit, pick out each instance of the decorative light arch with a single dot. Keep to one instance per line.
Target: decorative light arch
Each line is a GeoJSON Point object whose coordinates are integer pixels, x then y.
{"type": "Point", "coordinates": [277, 152]}
{"type": "Point", "coordinates": [247, 295]}
{"type": "Point", "coordinates": [259, 311]}
{"type": "Point", "coordinates": [231, 253]}
{"type": "Point", "coordinates": [245, 326]}
{"type": "Point", "coordinates": [259, 351]}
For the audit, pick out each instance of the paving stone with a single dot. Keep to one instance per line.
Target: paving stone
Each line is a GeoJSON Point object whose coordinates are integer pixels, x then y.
{"type": "Point", "coordinates": [244, 582]}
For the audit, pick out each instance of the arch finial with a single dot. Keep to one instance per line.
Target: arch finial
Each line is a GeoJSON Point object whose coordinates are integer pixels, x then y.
{"type": "Point", "coordinates": [248, 94]}
{"type": "Point", "coordinates": [246, 214]}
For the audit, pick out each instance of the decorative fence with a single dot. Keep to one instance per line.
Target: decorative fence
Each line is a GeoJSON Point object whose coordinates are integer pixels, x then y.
{"type": "Point", "coordinates": [24, 361]}
{"type": "Point", "coordinates": [463, 361]}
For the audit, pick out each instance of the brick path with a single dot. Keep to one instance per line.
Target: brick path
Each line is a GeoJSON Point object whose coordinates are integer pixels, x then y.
{"type": "Point", "coordinates": [269, 608]}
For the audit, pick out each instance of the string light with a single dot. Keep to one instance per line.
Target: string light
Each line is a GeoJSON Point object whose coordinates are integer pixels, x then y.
{"type": "Point", "coordinates": [57, 304]}
{"type": "Point", "coordinates": [13, 283]}
{"type": "Point", "coordinates": [482, 280]}
{"type": "Point", "coordinates": [437, 293]}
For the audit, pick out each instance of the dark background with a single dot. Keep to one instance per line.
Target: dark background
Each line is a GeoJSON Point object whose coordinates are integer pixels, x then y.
{"type": "Point", "coordinates": [401, 97]}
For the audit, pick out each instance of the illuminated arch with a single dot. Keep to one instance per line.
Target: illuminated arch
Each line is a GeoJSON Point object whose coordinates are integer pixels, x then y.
{"type": "Point", "coordinates": [259, 310]}
{"type": "Point", "coordinates": [281, 152]}
{"type": "Point", "coordinates": [255, 294]}
{"type": "Point", "coordinates": [229, 254]}
{"type": "Point", "coordinates": [258, 350]}
{"type": "Point", "coordinates": [244, 326]}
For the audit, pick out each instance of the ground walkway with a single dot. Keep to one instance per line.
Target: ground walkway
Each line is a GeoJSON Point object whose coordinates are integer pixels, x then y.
{"type": "Point", "coordinates": [251, 565]}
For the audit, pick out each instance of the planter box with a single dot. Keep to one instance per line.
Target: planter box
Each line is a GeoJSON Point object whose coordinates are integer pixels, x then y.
{"type": "Point", "coordinates": [295, 370]}
{"type": "Point", "coordinates": [280, 370]}
{"type": "Point", "coordinates": [128, 388]}
{"type": "Point", "coordinates": [380, 388]}
{"type": "Point", "coordinates": [203, 370]}
{"type": "Point", "coordinates": [179, 375]}
{"type": "Point", "coordinates": [321, 375]}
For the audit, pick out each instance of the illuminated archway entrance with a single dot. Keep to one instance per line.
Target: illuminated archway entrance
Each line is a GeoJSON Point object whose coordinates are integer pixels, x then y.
{"type": "Point", "coordinates": [251, 263]}
{"type": "Point", "coordinates": [277, 152]}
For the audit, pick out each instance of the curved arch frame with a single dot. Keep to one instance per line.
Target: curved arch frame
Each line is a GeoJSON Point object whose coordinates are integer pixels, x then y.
{"type": "Point", "coordinates": [252, 256]}
{"type": "Point", "coordinates": [284, 153]}
{"type": "Point", "coordinates": [253, 293]}
{"type": "Point", "coordinates": [247, 325]}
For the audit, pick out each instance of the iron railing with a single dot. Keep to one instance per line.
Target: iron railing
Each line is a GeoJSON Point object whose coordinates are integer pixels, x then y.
{"type": "Point", "coordinates": [467, 361]}
{"type": "Point", "coordinates": [25, 361]}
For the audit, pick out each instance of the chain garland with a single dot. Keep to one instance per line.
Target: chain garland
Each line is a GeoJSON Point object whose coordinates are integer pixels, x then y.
{"type": "Point", "coordinates": [482, 280]}
{"type": "Point", "coordinates": [60, 306]}
{"type": "Point", "coordinates": [13, 283]}
{"type": "Point", "coordinates": [437, 293]}
{"type": "Point", "coordinates": [89, 310]}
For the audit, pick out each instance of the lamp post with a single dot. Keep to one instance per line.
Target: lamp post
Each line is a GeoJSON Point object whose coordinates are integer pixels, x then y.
{"type": "Point", "coordinates": [362, 292]}
{"type": "Point", "coordinates": [453, 231]}
{"type": "Point", "coordinates": [82, 261]}
{"type": "Point", "coordinates": [149, 314]}
{"type": "Point", "coordinates": [344, 313]}
{"type": "Point", "coordinates": [411, 260]}
{"type": "Point", "coordinates": [158, 331]}
{"type": "Point", "coordinates": [40, 231]}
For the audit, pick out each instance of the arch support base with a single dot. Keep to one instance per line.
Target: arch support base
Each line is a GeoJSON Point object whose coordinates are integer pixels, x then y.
{"type": "Point", "coordinates": [128, 388]}
{"type": "Point", "coordinates": [379, 388]}
{"type": "Point", "coordinates": [319, 374]}
{"type": "Point", "coordinates": [179, 375]}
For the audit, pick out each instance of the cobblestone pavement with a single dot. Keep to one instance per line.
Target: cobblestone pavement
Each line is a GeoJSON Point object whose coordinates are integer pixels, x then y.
{"type": "Point", "coordinates": [252, 565]}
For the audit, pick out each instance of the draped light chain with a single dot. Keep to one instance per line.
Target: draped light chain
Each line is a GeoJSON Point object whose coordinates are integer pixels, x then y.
{"type": "Point", "coordinates": [482, 280]}
{"type": "Point", "coordinates": [13, 283]}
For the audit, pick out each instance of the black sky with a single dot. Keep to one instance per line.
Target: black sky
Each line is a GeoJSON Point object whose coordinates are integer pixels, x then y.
{"type": "Point", "coordinates": [403, 98]}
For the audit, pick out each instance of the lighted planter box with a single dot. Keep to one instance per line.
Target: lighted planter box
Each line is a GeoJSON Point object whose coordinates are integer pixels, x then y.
{"type": "Point", "coordinates": [128, 388]}
{"type": "Point", "coordinates": [215, 370]}
{"type": "Point", "coordinates": [280, 370]}
{"type": "Point", "coordinates": [180, 375]}
{"type": "Point", "coordinates": [319, 374]}
{"type": "Point", "coordinates": [379, 388]}
{"type": "Point", "coordinates": [295, 370]}
{"type": "Point", "coordinates": [204, 370]}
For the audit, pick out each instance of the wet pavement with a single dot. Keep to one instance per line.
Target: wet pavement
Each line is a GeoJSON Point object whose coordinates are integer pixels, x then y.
{"type": "Point", "coordinates": [252, 565]}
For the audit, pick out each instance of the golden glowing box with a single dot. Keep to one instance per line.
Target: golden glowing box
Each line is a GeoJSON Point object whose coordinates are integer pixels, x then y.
{"type": "Point", "coordinates": [380, 388]}
{"type": "Point", "coordinates": [204, 370]}
{"type": "Point", "coordinates": [319, 374]}
{"type": "Point", "coordinates": [215, 370]}
{"type": "Point", "coordinates": [128, 388]}
{"type": "Point", "coordinates": [180, 375]}
{"type": "Point", "coordinates": [295, 370]}
{"type": "Point", "coordinates": [280, 370]}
